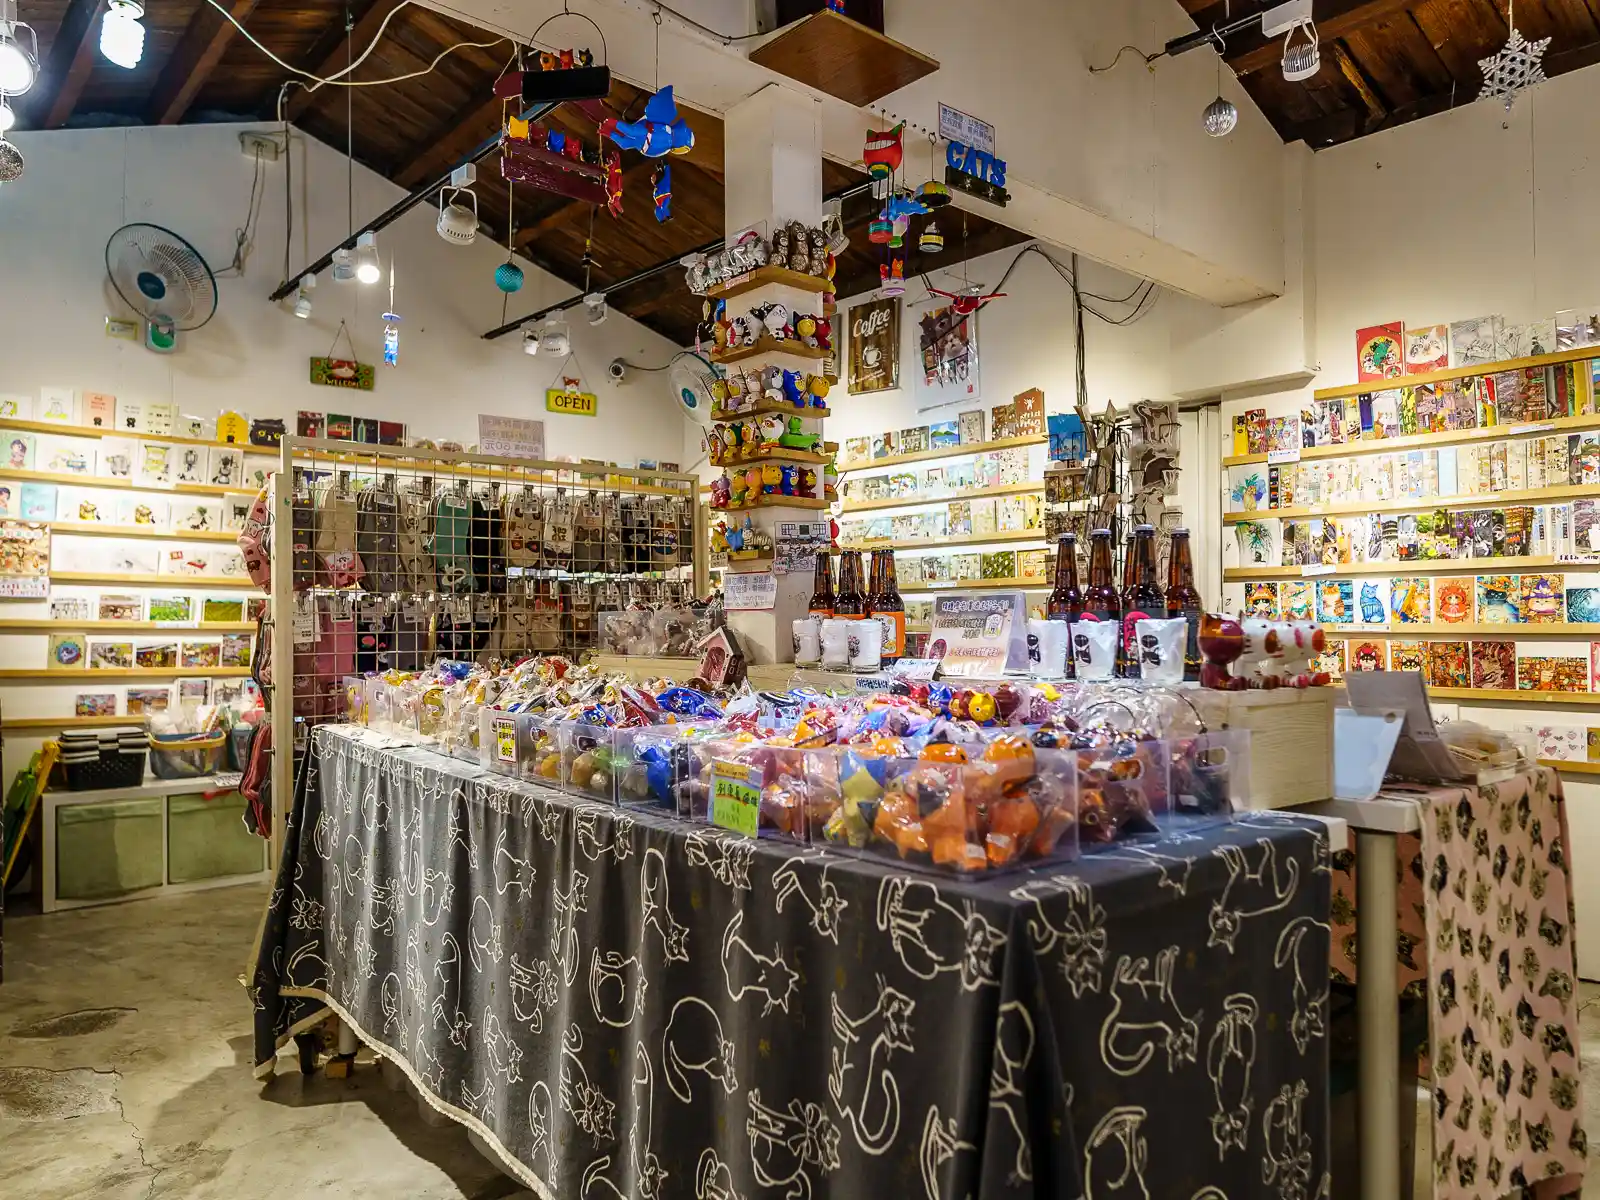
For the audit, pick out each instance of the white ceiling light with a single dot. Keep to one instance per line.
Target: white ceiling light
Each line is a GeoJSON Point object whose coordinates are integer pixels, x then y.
{"type": "Point", "coordinates": [121, 35]}
{"type": "Point", "coordinates": [554, 339]}
{"type": "Point", "coordinates": [344, 265]}
{"type": "Point", "coordinates": [302, 300]}
{"type": "Point", "coordinates": [594, 307]}
{"type": "Point", "coordinates": [368, 268]}
{"type": "Point", "coordinates": [458, 223]}
{"type": "Point", "coordinates": [19, 64]}
{"type": "Point", "coordinates": [530, 341]}
{"type": "Point", "coordinates": [8, 116]}
{"type": "Point", "coordinates": [1301, 59]}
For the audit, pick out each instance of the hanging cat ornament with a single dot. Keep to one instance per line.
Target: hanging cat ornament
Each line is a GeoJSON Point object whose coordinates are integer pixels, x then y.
{"type": "Point", "coordinates": [391, 339]}
{"type": "Point", "coordinates": [883, 154]}
{"type": "Point", "coordinates": [661, 131]}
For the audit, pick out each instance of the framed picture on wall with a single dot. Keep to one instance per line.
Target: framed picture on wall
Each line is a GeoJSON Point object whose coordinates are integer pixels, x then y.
{"type": "Point", "coordinates": [874, 346]}
{"type": "Point", "coordinates": [947, 347]}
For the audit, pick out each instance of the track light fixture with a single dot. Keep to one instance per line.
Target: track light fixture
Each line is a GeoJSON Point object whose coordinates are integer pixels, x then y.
{"type": "Point", "coordinates": [302, 300]}
{"type": "Point", "coordinates": [1302, 54]}
{"type": "Point", "coordinates": [344, 265]}
{"type": "Point", "coordinates": [19, 64]}
{"type": "Point", "coordinates": [368, 268]}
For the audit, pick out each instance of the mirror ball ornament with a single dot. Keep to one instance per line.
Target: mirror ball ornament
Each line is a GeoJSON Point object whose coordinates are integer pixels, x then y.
{"type": "Point", "coordinates": [1220, 118]}
{"type": "Point", "coordinates": [508, 277]}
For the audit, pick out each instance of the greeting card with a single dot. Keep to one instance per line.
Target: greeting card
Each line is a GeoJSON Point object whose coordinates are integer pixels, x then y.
{"type": "Point", "coordinates": [94, 704]}
{"type": "Point", "coordinates": [1299, 600]}
{"type": "Point", "coordinates": [1552, 673]}
{"type": "Point", "coordinates": [1335, 602]}
{"type": "Point", "coordinates": [1543, 599]}
{"type": "Point", "coordinates": [1406, 655]}
{"type": "Point", "coordinates": [104, 655]}
{"type": "Point", "coordinates": [1583, 605]}
{"type": "Point", "coordinates": [1411, 601]}
{"type": "Point", "coordinates": [1427, 349]}
{"type": "Point", "coordinates": [143, 511]}
{"type": "Point", "coordinates": [198, 655]}
{"type": "Point", "coordinates": [68, 651]}
{"type": "Point", "coordinates": [146, 700]}
{"type": "Point", "coordinates": [1498, 597]}
{"type": "Point", "coordinates": [156, 655]}
{"type": "Point", "coordinates": [1261, 600]}
{"type": "Point", "coordinates": [1369, 655]}
{"type": "Point", "coordinates": [1372, 601]}
{"type": "Point", "coordinates": [1452, 600]}
{"type": "Point", "coordinates": [1475, 342]}
{"type": "Point", "coordinates": [171, 609]}
{"type": "Point", "coordinates": [1449, 664]}
{"type": "Point", "coordinates": [1332, 659]}
{"type": "Point", "coordinates": [1379, 352]}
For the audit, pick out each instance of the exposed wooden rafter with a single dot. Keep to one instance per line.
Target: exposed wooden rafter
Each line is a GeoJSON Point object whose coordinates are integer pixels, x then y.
{"type": "Point", "coordinates": [1351, 70]}
{"type": "Point", "coordinates": [1250, 50]}
{"type": "Point", "coordinates": [334, 59]}
{"type": "Point", "coordinates": [66, 66]}
{"type": "Point", "coordinates": [460, 132]}
{"type": "Point", "coordinates": [197, 54]}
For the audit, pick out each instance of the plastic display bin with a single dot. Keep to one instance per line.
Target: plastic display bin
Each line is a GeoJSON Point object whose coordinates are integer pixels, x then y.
{"type": "Point", "coordinates": [207, 839]}
{"type": "Point", "coordinates": [108, 848]}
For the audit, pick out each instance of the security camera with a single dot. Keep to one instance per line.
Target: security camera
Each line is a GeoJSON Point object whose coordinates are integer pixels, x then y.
{"type": "Point", "coordinates": [617, 371]}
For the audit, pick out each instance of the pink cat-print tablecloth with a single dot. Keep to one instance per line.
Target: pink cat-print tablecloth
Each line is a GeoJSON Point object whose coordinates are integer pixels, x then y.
{"type": "Point", "coordinates": [1486, 933]}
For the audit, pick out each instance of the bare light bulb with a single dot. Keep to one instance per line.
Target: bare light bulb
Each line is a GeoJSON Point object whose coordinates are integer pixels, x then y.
{"type": "Point", "coordinates": [1220, 118]}
{"type": "Point", "coordinates": [121, 35]}
{"type": "Point", "coordinates": [368, 269]}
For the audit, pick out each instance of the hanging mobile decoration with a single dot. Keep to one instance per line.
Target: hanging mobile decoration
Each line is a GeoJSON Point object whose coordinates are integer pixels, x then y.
{"type": "Point", "coordinates": [508, 276]}
{"type": "Point", "coordinates": [882, 155]}
{"type": "Point", "coordinates": [1518, 65]}
{"type": "Point", "coordinates": [661, 192]}
{"type": "Point", "coordinates": [391, 327]}
{"type": "Point", "coordinates": [836, 6]}
{"type": "Point", "coordinates": [935, 193]}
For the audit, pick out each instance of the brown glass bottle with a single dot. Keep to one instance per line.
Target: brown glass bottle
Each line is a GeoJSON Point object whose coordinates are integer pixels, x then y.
{"type": "Point", "coordinates": [851, 602]}
{"type": "Point", "coordinates": [1066, 600]}
{"type": "Point", "coordinates": [1183, 599]}
{"type": "Point", "coordinates": [1142, 598]}
{"type": "Point", "coordinates": [887, 605]}
{"type": "Point", "coordinates": [822, 586]}
{"type": "Point", "coordinates": [1101, 600]}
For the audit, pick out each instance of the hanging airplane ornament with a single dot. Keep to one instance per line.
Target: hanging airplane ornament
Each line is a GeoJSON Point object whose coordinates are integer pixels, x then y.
{"type": "Point", "coordinates": [661, 131]}
{"type": "Point", "coordinates": [661, 192]}
{"type": "Point", "coordinates": [968, 302]}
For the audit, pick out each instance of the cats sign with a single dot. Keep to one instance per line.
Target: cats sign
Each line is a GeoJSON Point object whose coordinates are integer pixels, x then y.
{"type": "Point", "coordinates": [571, 401]}
{"type": "Point", "coordinates": [976, 173]}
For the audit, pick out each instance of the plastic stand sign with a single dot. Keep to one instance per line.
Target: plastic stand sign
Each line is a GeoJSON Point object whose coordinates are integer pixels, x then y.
{"type": "Point", "coordinates": [505, 739]}
{"type": "Point", "coordinates": [981, 635]}
{"type": "Point", "coordinates": [735, 799]}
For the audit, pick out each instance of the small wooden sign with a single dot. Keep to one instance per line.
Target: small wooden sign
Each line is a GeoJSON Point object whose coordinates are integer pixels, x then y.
{"type": "Point", "coordinates": [343, 373]}
{"type": "Point", "coordinates": [571, 402]}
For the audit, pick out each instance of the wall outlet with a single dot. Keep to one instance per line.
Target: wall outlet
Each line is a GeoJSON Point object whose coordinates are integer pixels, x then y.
{"type": "Point", "coordinates": [264, 144]}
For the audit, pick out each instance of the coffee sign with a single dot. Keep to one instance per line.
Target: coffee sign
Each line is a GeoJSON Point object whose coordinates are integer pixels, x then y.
{"type": "Point", "coordinates": [875, 346]}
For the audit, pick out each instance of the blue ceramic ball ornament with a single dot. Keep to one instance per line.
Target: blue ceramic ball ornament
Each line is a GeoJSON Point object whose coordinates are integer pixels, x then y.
{"type": "Point", "coordinates": [508, 277]}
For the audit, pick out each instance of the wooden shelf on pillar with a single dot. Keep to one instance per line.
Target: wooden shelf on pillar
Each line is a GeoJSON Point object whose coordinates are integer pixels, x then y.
{"type": "Point", "coordinates": [771, 345]}
{"type": "Point", "coordinates": [844, 58]}
{"type": "Point", "coordinates": [775, 501]}
{"type": "Point", "coordinates": [765, 407]}
{"type": "Point", "coordinates": [762, 276]}
{"type": "Point", "coordinates": [776, 454]}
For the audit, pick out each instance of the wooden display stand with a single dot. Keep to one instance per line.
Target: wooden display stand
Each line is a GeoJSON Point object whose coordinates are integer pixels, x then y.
{"type": "Point", "coordinates": [1291, 739]}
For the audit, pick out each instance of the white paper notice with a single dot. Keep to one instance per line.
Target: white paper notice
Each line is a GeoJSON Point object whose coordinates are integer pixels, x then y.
{"type": "Point", "coordinates": [749, 591]}
{"type": "Point", "coordinates": [510, 437]}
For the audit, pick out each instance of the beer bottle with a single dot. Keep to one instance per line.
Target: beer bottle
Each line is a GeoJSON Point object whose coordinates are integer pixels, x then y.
{"type": "Point", "coordinates": [1183, 600]}
{"type": "Point", "coordinates": [888, 607]}
{"type": "Point", "coordinates": [1066, 601]}
{"type": "Point", "coordinates": [1101, 601]}
{"type": "Point", "coordinates": [851, 603]}
{"type": "Point", "coordinates": [822, 586]}
{"type": "Point", "coordinates": [1143, 598]}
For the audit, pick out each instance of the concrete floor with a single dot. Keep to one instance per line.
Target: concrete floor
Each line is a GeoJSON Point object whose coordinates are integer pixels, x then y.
{"type": "Point", "coordinates": [125, 1075]}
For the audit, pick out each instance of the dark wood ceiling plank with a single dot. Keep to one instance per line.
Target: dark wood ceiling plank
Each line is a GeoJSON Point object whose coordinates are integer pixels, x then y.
{"type": "Point", "coordinates": [66, 67]}
{"type": "Point", "coordinates": [459, 133]}
{"type": "Point", "coordinates": [196, 56]}
{"type": "Point", "coordinates": [1351, 70]}
{"type": "Point", "coordinates": [335, 59]}
{"type": "Point", "coordinates": [1252, 50]}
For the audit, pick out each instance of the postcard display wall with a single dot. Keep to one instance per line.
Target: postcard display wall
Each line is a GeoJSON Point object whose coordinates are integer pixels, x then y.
{"type": "Point", "coordinates": [398, 556]}
{"type": "Point", "coordinates": [122, 591]}
{"type": "Point", "coordinates": [1446, 522]}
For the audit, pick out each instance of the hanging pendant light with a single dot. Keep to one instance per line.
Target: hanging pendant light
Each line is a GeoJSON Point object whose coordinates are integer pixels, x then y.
{"type": "Point", "coordinates": [508, 277]}
{"type": "Point", "coordinates": [19, 64]}
{"type": "Point", "coordinates": [1220, 117]}
{"type": "Point", "coordinates": [368, 268]}
{"type": "Point", "coordinates": [121, 35]}
{"type": "Point", "coordinates": [344, 265]}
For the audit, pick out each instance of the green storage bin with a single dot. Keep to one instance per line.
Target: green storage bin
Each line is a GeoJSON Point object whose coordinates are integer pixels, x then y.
{"type": "Point", "coordinates": [108, 848]}
{"type": "Point", "coordinates": [206, 839]}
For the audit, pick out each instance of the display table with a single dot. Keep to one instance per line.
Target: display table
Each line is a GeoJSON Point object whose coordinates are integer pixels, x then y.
{"type": "Point", "coordinates": [1477, 886]}
{"type": "Point", "coordinates": [625, 1004]}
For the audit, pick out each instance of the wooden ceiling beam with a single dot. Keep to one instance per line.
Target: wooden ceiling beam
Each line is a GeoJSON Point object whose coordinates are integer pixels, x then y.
{"type": "Point", "coordinates": [65, 71]}
{"type": "Point", "coordinates": [334, 59]}
{"type": "Point", "coordinates": [459, 133]}
{"type": "Point", "coordinates": [1356, 77]}
{"type": "Point", "coordinates": [204, 42]}
{"type": "Point", "coordinates": [1250, 50]}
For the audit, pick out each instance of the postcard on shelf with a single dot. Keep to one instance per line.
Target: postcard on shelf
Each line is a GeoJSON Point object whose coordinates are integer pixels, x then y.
{"type": "Point", "coordinates": [984, 517]}
{"type": "Point", "coordinates": [225, 468]}
{"type": "Point", "coordinates": [965, 566]}
{"type": "Point", "coordinates": [1406, 655]}
{"type": "Point", "coordinates": [1427, 349]}
{"type": "Point", "coordinates": [914, 440]}
{"type": "Point", "coordinates": [1299, 600]}
{"type": "Point", "coordinates": [15, 407]}
{"type": "Point", "coordinates": [199, 655]}
{"type": "Point", "coordinates": [1576, 328]}
{"type": "Point", "coordinates": [119, 608]}
{"type": "Point", "coordinates": [189, 464]}
{"type": "Point", "coordinates": [943, 434]}
{"type": "Point", "coordinates": [236, 650]}
{"type": "Point", "coordinates": [1335, 602]}
{"type": "Point", "coordinates": [155, 464]}
{"type": "Point", "coordinates": [57, 406]}
{"type": "Point", "coordinates": [1494, 664]}
{"type": "Point", "coordinates": [1475, 342]}
{"type": "Point", "coordinates": [1498, 597]}
{"type": "Point", "coordinates": [203, 516]}
{"type": "Point", "coordinates": [130, 416]}
{"type": "Point", "coordinates": [94, 704]}
{"type": "Point", "coordinates": [138, 510]}
{"type": "Point", "coordinates": [883, 445]}
{"type": "Point", "coordinates": [64, 456]}
{"type": "Point", "coordinates": [1332, 659]}
{"type": "Point", "coordinates": [1386, 414]}
{"type": "Point", "coordinates": [1449, 664]}
{"type": "Point", "coordinates": [1283, 434]}
{"type": "Point", "coordinates": [21, 451]}
{"type": "Point", "coordinates": [1379, 351]}
{"type": "Point", "coordinates": [161, 419]}
{"type": "Point", "coordinates": [1003, 421]}
{"type": "Point", "coordinates": [1029, 407]}
{"type": "Point", "coordinates": [1583, 605]}
{"type": "Point", "coordinates": [143, 701]}
{"type": "Point", "coordinates": [1452, 600]}
{"type": "Point", "coordinates": [1369, 655]}
{"type": "Point", "coordinates": [1544, 599]}
{"type": "Point", "coordinates": [156, 656]}
{"type": "Point", "coordinates": [38, 502]}
{"type": "Point", "coordinates": [1261, 600]}
{"type": "Point", "coordinates": [70, 609]}
{"type": "Point", "coordinates": [193, 692]}
{"type": "Point", "coordinates": [1372, 601]}
{"type": "Point", "coordinates": [99, 410]}
{"type": "Point", "coordinates": [68, 651]}
{"type": "Point", "coordinates": [171, 609]}
{"type": "Point", "coordinates": [1552, 673]}
{"type": "Point", "coordinates": [998, 564]}
{"type": "Point", "coordinates": [1411, 600]}
{"type": "Point", "coordinates": [856, 450]}
{"type": "Point", "coordinates": [971, 425]}
{"type": "Point", "coordinates": [109, 655]}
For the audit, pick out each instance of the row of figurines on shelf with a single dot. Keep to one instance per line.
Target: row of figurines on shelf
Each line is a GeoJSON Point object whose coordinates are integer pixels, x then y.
{"type": "Point", "coordinates": [774, 322]}
{"type": "Point", "coordinates": [736, 440]}
{"type": "Point", "coordinates": [804, 249]}
{"type": "Point", "coordinates": [737, 391]}
{"type": "Point", "coordinates": [1248, 653]}
{"type": "Point", "coordinates": [766, 479]}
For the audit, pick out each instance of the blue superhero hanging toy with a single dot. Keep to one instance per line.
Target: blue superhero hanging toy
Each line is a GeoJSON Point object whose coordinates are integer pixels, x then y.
{"type": "Point", "coordinates": [661, 192]}
{"type": "Point", "coordinates": [661, 131]}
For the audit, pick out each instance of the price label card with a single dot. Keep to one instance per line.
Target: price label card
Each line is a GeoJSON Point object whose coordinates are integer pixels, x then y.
{"type": "Point", "coordinates": [505, 739]}
{"type": "Point", "coordinates": [735, 798]}
{"type": "Point", "coordinates": [1318, 569]}
{"type": "Point", "coordinates": [1531, 428]}
{"type": "Point", "coordinates": [916, 668]}
{"type": "Point", "coordinates": [1276, 458]}
{"type": "Point", "coordinates": [750, 591]}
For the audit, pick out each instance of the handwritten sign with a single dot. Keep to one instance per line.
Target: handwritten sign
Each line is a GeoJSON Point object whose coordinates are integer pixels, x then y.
{"type": "Point", "coordinates": [505, 739]}
{"type": "Point", "coordinates": [510, 437]}
{"type": "Point", "coordinates": [572, 403]}
{"type": "Point", "coordinates": [735, 799]}
{"type": "Point", "coordinates": [973, 634]}
{"type": "Point", "coordinates": [750, 591]}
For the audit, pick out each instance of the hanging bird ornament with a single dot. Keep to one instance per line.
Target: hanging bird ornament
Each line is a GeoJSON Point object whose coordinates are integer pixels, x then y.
{"type": "Point", "coordinates": [661, 131]}
{"type": "Point", "coordinates": [661, 192]}
{"type": "Point", "coordinates": [968, 302]}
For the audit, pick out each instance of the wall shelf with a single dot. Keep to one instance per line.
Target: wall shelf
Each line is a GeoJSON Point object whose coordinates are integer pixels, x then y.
{"type": "Point", "coordinates": [143, 579]}
{"type": "Point", "coordinates": [129, 485]}
{"type": "Point", "coordinates": [777, 454]}
{"type": "Point", "coordinates": [846, 59]}
{"type": "Point", "coordinates": [1009, 489]}
{"type": "Point", "coordinates": [938, 544]}
{"type": "Point", "coordinates": [775, 502]}
{"type": "Point", "coordinates": [1421, 441]}
{"type": "Point", "coordinates": [979, 585]}
{"type": "Point", "coordinates": [765, 407]}
{"type": "Point", "coordinates": [762, 276]}
{"type": "Point", "coordinates": [1510, 364]}
{"type": "Point", "coordinates": [44, 626]}
{"type": "Point", "coordinates": [770, 345]}
{"type": "Point", "coordinates": [1419, 566]}
{"type": "Point", "coordinates": [21, 724]}
{"type": "Point", "coordinates": [100, 529]}
{"type": "Point", "coordinates": [100, 431]}
{"type": "Point", "coordinates": [1570, 491]}
{"type": "Point", "coordinates": [1514, 696]}
{"type": "Point", "coordinates": [1571, 768]}
{"type": "Point", "coordinates": [1527, 629]}
{"type": "Point", "coordinates": [71, 675]}
{"type": "Point", "coordinates": [916, 456]}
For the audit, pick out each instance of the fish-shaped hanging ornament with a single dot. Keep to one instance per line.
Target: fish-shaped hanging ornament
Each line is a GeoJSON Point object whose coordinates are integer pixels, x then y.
{"type": "Point", "coordinates": [661, 192]}
{"type": "Point", "coordinates": [661, 130]}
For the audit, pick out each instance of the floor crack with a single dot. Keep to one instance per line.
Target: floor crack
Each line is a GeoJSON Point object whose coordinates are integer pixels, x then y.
{"type": "Point", "coordinates": [138, 1138]}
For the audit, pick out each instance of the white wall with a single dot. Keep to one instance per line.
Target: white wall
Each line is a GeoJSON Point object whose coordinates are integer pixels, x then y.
{"type": "Point", "coordinates": [80, 185]}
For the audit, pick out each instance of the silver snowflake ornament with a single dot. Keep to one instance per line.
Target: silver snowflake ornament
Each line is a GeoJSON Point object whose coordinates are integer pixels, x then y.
{"type": "Point", "coordinates": [1518, 65]}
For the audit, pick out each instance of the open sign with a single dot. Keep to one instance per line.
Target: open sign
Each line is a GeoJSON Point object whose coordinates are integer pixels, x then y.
{"type": "Point", "coordinates": [573, 403]}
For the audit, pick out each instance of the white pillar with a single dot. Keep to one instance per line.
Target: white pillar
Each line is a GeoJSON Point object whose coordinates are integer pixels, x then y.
{"type": "Point", "coordinates": [773, 174]}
